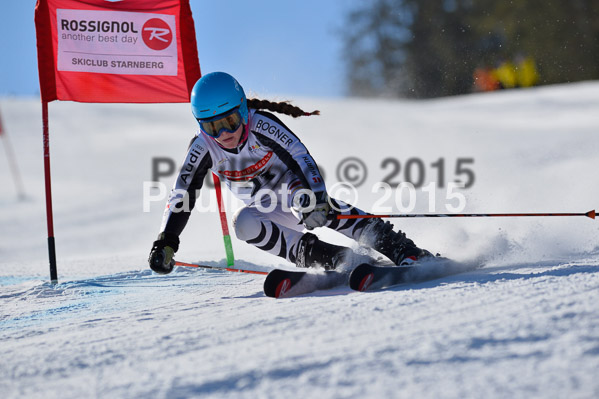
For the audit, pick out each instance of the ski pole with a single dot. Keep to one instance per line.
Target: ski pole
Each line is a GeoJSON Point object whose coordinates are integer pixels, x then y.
{"type": "Point", "coordinates": [589, 214]}
{"type": "Point", "coordinates": [229, 269]}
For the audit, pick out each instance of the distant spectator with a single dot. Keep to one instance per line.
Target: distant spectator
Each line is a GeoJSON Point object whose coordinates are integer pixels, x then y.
{"type": "Point", "coordinates": [526, 71]}
{"type": "Point", "coordinates": [484, 79]}
{"type": "Point", "coordinates": [505, 73]}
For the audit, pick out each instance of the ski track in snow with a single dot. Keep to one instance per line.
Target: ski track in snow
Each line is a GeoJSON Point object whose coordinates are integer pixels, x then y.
{"type": "Point", "coordinates": [506, 331]}
{"type": "Point", "coordinates": [524, 325]}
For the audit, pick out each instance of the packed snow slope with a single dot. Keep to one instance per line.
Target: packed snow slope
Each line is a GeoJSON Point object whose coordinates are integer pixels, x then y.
{"type": "Point", "coordinates": [524, 325]}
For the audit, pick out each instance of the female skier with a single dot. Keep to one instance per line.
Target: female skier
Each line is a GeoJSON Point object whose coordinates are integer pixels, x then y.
{"type": "Point", "coordinates": [253, 151]}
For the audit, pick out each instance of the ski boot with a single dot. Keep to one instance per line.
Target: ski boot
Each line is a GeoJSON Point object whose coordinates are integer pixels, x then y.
{"type": "Point", "coordinates": [396, 246]}
{"type": "Point", "coordinates": [312, 252]}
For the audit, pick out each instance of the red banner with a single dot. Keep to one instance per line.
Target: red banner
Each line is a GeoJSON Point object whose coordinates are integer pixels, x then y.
{"type": "Point", "coordinates": [131, 51]}
{"type": "Point", "coordinates": [1, 127]}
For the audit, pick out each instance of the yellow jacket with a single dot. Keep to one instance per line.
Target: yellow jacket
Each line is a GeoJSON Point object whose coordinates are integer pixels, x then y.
{"type": "Point", "coordinates": [506, 75]}
{"type": "Point", "coordinates": [527, 73]}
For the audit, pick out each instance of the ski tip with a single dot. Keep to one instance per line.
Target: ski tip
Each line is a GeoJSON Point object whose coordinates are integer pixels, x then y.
{"type": "Point", "coordinates": [591, 214]}
{"type": "Point", "coordinates": [365, 282]}
{"type": "Point", "coordinates": [282, 287]}
{"type": "Point", "coordinates": [361, 277]}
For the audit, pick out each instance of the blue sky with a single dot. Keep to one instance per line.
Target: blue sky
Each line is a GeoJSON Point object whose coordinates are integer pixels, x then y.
{"type": "Point", "coordinates": [273, 47]}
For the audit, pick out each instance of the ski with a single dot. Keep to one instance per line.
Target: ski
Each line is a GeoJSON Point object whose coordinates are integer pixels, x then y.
{"type": "Point", "coordinates": [281, 283]}
{"type": "Point", "coordinates": [284, 283]}
{"type": "Point", "coordinates": [366, 277]}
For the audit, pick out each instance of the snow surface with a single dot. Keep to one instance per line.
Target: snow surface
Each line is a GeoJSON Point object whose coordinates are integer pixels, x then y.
{"type": "Point", "coordinates": [526, 325]}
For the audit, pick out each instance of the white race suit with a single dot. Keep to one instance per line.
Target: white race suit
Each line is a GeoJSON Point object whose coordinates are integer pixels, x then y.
{"type": "Point", "coordinates": [272, 159]}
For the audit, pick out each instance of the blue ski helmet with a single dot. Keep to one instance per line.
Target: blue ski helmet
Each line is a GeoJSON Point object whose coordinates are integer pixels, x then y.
{"type": "Point", "coordinates": [215, 94]}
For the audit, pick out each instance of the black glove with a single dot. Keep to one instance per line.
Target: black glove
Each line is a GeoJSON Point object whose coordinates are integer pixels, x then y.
{"type": "Point", "coordinates": [161, 258]}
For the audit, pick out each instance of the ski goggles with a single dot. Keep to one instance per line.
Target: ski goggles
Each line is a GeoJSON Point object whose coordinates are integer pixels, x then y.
{"type": "Point", "coordinates": [228, 122]}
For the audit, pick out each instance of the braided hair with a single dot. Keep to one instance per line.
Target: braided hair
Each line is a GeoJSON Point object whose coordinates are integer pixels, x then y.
{"type": "Point", "coordinates": [283, 107]}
